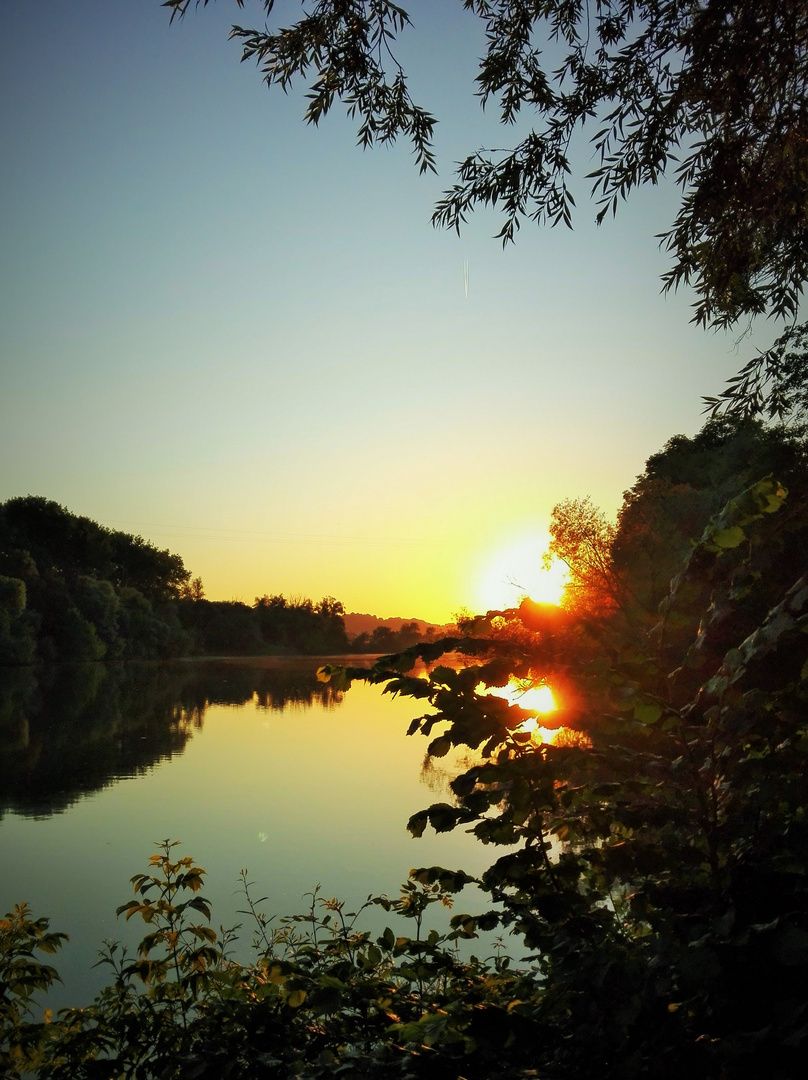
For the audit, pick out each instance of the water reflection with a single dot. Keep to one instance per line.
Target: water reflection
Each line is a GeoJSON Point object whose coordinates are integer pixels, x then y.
{"type": "Point", "coordinates": [68, 731]}
{"type": "Point", "coordinates": [249, 763]}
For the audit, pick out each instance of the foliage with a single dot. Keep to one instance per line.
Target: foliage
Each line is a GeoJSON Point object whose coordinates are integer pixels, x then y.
{"type": "Point", "coordinates": [714, 92]}
{"type": "Point", "coordinates": [626, 569]}
{"type": "Point", "coordinates": [21, 976]}
{"type": "Point", "coordinates": [653, 864]}
{"type": "Point", "coordinates": [384, 639]}
{"type": "Point", "coordinates": [582, 538]}
{"type": "Point", "coordinates": [773, 383]}
{"type": "Point", "coordinates": [65, 544]}
{"type": "Point", "coordinates": [656, 864]}
{"type": "Point", "coordinates": [71, 589]}
{"type": "Point", "coordinates": [322, 998]}
{"type": "Point", "coordinates": [194, 590]}
{"type": "Point", "coordinates": [86, 592]}
{"type": "Point", "coordinates": [298, 625]}
{"type": "Point", "coordinates": [17, 627]}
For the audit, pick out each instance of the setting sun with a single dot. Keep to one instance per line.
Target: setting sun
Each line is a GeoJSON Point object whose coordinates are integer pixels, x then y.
{"type": "Point", "coordinates": [517, 571]}
{"type": "Point", "coordinates": [536, 699]}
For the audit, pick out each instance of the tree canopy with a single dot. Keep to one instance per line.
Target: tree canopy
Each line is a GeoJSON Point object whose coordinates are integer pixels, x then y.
{"type": "Point", "coordinates": [625, 570]}
{"type": "Point", "coordinates": [71, 589]}
{"type": "Point", "coordinates": [712, 92]}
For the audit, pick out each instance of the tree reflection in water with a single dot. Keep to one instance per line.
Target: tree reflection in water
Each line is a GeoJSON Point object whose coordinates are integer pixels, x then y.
{"type": "Point", "coordinates": [67, 731]}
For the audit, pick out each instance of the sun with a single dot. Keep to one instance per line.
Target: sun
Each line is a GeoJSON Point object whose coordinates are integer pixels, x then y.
{"type": "Point", "coordinates": [539, 700]}
{"type": "Point", "coordinates": [516, 571]}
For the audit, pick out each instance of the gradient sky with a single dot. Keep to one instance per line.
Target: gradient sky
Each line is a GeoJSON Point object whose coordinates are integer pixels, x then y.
{"type": "Point", "coordinates": [241, 338]}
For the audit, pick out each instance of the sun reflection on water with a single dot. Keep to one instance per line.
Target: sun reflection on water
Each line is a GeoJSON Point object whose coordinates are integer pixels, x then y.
{"type": "Point", "coordinates": [538, 699]}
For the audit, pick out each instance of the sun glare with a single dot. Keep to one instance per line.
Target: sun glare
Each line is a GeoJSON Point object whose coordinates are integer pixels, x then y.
{"type": "Point", "coordinates": [538, 699]}
{"type": "Point", "coordinates": [541, 701]}
{"type": "Point", "coordinates": [516, 572]}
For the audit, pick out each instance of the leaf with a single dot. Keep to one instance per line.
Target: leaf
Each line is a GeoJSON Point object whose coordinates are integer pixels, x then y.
{"type": "Point", "coordinates": [418, 822]}
{"type": "Point", "coordinates": [732, 537]}
{"type": "Point", "coordinates": [647, 713]}
{"type": "Point", "coordinates": [443, 817]}
{"type": "Point", "coordinates": [336, 675]}
{"type": "Point", "coordinates": [440, 747]}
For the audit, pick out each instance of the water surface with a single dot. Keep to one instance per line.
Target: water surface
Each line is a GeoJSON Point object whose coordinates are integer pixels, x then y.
{"type": "Point", "coordinates": [248, 763]}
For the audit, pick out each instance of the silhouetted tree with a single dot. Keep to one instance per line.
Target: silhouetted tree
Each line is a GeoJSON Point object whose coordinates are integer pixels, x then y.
{"type": "Point", "coordinates": [582, 538]}
{"type": "Point", "coordinates": [713, 92]}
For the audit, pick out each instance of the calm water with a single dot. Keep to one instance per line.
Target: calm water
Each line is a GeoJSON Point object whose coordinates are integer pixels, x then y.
{"type": "Point", "coordinates": [248, 763]}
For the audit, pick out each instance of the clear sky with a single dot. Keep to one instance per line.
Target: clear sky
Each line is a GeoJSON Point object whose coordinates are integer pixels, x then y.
{"type": "Point", "coordinates": [241, 338]}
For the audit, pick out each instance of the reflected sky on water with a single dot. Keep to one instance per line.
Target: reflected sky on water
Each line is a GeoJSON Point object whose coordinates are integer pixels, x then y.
{"type": "Point", "coordinates": [249, 764]}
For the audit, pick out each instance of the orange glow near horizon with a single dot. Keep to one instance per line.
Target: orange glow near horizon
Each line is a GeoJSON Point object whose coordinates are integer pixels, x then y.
{"type": "Point", "coordinates": [518, 571]}
{"type": "Point", "coordinates": [536, 699]}
{"type": "Point", "coordinates": [540, 700]}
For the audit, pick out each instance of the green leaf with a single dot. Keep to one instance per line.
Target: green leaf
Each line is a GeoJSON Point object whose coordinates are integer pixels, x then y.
{"type": "Point", "coordinates": [732, 537]}
{"type": "Point", "coordinates": [647, 713]}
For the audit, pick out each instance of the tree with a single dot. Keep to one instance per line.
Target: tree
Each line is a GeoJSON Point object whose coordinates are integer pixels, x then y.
{"type": "Point", "coordinates": [137, 564]}
{"type": "Point", "coordinates": [652, 861]}
{"type": "Point", "coordinates": [50, 537]}
{"type": "Point", "coordinates": [627, 568]}
{"type": "Point", "coordinates": [714, 91]}
{"type": "Point", "coordinates": [194, 590]}
{"type": "Point", "coordinates": [655, 867]}
{"type": "Point", "coordinates": [582, 538]}
{"type": "Point", "coordinates": [774, 383]}
{"type": "Point", "coordinates": [670, 504]}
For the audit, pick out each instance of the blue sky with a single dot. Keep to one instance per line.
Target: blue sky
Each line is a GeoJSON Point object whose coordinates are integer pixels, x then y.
{"type": "Point", "coordinates": [241, 338]}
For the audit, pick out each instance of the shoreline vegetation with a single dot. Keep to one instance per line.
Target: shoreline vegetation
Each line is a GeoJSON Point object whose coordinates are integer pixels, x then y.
{"type": "Point", "coordinates": [650, 869]}
{"type": "Point", "coordinates": [72, 590]}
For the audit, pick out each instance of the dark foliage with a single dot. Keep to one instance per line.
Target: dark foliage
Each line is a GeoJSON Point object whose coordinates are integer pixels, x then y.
{"type": "Point", "coordinates": [651, 858]}
{"type": "Point", "coordinates": [71, 589]}
{"type": "Point", "coordinates": [300, 626]}
{"type": "Point", "coordinates": [712, 92]}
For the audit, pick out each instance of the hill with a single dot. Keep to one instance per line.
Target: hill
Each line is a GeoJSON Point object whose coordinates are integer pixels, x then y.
{"type": "Point", "coordinates": [359, 623]}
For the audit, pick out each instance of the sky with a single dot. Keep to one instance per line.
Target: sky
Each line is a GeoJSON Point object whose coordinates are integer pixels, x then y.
{"type": "Point", "coordinates": [241, 338]}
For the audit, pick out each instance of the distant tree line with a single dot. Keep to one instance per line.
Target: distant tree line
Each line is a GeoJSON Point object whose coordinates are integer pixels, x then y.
{"type": "Point", "coordinates": [384, 639]}
{"type": "Point", "coordinates": [73, 590]}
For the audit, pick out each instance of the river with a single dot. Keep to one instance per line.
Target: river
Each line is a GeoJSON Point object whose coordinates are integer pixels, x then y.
{"type": "Point", "coordinates": [248, 763]}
